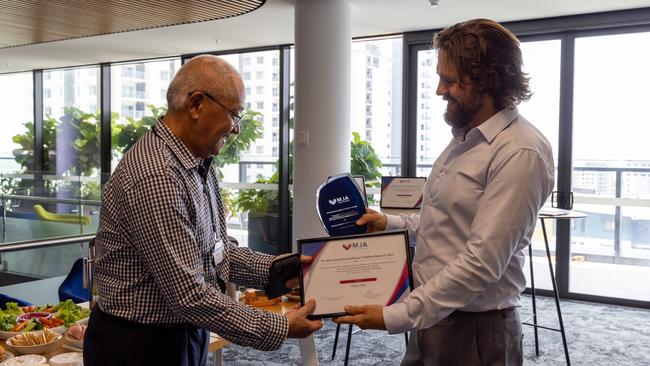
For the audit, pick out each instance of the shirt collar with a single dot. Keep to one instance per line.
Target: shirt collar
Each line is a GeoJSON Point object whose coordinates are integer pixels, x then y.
{"type": "Point", "coordinates": [492, 126]}
{"type": "Point", "coordinates": [177, 147]}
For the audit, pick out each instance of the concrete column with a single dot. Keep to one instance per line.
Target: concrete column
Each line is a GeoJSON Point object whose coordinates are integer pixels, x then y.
{"type": "Point", "coordinates": [322, 102]}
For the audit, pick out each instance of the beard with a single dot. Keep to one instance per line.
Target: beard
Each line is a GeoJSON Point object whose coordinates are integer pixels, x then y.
{"type": "Point", "coordinates": [459, 114]}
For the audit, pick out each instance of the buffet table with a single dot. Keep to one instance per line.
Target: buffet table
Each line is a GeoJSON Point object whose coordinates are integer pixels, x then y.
{"type": "Point", "coordinates": [217, 343]}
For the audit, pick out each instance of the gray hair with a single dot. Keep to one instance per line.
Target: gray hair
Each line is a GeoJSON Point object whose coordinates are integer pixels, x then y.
{"type": "Point", "coordinates": [205, 73]}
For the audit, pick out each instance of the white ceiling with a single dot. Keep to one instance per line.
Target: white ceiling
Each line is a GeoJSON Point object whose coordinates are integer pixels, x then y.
{"type": "Point", "coordinates": [273, 24]}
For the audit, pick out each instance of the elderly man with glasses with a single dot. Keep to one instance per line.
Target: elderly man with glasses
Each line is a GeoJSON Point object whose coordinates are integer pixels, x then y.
{"type": "Point", "coordinates": [163, 252]}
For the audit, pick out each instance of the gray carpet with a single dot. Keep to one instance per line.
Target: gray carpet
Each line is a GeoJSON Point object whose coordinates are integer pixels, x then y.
{"type": "Point", "coordinates": [597, 335]}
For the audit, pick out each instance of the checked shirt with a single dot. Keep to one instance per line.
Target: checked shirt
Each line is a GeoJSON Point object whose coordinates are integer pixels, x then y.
{"type": "Point", "coordinates": [155, 243]}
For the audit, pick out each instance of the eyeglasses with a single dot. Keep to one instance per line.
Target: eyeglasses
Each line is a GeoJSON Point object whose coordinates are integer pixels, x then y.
{"type": "Point", "coordinates": [236, 118]}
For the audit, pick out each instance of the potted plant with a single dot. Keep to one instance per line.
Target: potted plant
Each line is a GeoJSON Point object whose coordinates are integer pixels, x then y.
{"type": "Point", "coordinates": [260, 206]}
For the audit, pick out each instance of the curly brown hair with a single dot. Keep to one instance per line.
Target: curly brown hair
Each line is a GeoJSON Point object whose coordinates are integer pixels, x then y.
{"type": "Point", "coordinates": [488, 54]}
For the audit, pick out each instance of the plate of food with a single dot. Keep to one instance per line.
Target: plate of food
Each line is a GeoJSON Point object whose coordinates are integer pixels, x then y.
{"type": "Point", "coordinates": [35, 343]}
{"type": "Point", "coordinates": [74, 336]}
{"type": "Point", "coordinates": [15, 319]}
{"type": "Point", "coordinates": [5, 355]}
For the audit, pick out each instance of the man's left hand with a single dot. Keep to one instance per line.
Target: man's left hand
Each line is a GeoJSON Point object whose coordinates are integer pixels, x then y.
{"type": "Point", "coordinates": [366, 317]}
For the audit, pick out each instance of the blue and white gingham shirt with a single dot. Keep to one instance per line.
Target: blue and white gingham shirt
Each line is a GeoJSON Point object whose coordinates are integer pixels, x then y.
{"type": "Point", "coordinates": [156, 243]}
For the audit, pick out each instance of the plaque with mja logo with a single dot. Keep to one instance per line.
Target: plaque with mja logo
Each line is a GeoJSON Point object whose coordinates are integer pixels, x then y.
{"type": "Point", "coordinates": [340, 203]}
{"type": "Point", "coordinates": [355, 270]}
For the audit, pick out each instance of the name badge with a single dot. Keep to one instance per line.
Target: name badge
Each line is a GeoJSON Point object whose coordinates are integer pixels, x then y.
{"type": "Point", "coordinates": [218, 251]}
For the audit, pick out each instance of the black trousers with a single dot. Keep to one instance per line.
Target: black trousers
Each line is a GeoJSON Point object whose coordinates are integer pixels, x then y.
{"type": "Point", "coordinates": [112, 341]}
{"type": "Point", "coordinates": [491, 338]}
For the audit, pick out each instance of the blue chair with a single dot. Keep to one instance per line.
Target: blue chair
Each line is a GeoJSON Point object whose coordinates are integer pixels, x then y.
{"type": "Point", "coordinates": [72, 286]}
{"type": "Point", "coordinates": [4, 299]}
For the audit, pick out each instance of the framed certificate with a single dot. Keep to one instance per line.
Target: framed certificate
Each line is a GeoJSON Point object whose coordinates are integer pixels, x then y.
{"type": "Point", "coordinates": [355, 270]}
{"type": "Point", "coordinates": [401, 192]}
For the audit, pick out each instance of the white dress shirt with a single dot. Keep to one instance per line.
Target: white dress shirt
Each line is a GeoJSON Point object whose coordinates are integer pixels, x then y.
{"type": "Point", "coordinates": [478, 213]}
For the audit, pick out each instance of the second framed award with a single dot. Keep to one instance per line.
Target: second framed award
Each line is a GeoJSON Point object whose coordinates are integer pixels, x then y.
{"type": "Point", "coordinates": [355, 270]}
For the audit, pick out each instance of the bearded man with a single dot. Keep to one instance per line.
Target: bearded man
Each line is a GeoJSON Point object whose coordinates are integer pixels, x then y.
{"type": "Point", "coordinates": [479, 210]}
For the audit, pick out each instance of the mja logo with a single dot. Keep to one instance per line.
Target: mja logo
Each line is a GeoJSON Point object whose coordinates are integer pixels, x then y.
{"type": "Point", "coordinates": [355, 245]}
{"type": "Point", "coordinates": [339, 200]}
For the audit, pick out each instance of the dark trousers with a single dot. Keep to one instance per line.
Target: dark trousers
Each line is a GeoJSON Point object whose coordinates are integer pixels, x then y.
{"type": "Point", "coordinates": [491, 338]}
{"type": "Point", "coordinates": [112, 341]}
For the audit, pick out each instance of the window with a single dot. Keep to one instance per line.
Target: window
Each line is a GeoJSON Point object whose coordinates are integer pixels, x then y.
{"type": "Point", "coordinates": [16, 102]}
{"type": "Point", "coordinates": [609, 140]}
{"type": "Point", "coordinates": [128, 91]}
{"type": "Point", "coordinates": [260, 159]}
{"type": "Point", "coordinates": [127, 110]}
{"type": "Point", "coordinates": [64, 155]}
{"type": "Point", "coordinates": [376, 98]}
{"type": "Point", "coordinates": [275, 92]}
{"type": "Point", "coordinates": [542, 63]}
{"type": "Point", "coordinates": [247, 90]}
{"type": "Point", "coordinates": [129, 97]}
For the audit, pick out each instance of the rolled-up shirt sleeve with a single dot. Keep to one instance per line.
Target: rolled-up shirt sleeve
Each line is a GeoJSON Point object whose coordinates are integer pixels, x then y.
{"type": "Point", "coordinates": [409, 222]}
{"type": "Point", "coordinates": [516, 188]}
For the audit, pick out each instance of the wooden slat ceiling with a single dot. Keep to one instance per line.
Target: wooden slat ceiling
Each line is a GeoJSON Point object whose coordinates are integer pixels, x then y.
{"type": "Point", "coordinates": [24, 22]}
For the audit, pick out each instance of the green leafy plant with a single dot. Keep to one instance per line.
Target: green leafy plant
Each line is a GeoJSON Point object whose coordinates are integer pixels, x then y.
{"type": "Point", "coordinates": [364, 160]}
{"type": "Point", "coordinates": [258, 201]}
{"type": "Point", "coordinates": [250, 129]}
{"type": "Point", "coordinates": [125, 135]}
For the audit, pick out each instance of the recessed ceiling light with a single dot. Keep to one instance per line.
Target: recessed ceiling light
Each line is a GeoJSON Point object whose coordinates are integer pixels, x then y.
{"type": "Point", "coordinates": [434, 2]}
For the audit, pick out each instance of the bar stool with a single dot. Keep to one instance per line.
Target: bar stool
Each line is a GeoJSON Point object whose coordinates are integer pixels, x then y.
{"type": "Point", "coordinates": [543, 216]}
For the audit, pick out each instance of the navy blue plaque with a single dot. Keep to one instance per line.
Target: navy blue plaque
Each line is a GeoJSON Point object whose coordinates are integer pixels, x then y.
{"type": "Point", "coordinates": [340, 204]}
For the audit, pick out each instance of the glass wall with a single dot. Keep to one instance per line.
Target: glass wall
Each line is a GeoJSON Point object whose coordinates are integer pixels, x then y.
{"type": "Point", "coordinates": [71, 133]}
{"type": "Point", "coordinates": [433, 134]}
{"type": "Point", "coordinates": [611, 167]}
{"type": "Point", "coordinates": [376, 107]}
{"type": "Point", "coordinates": [17, 104]}
{"type": "Point", "coordinates": [253, 154]}
{"type": "Point", "coordinates": [138, 96]}
{"type": "Point", "coordinates": [542, 63]}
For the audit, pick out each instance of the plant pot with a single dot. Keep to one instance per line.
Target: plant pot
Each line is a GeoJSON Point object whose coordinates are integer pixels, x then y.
{"type": "Point", "coordinates": [263, 232]}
